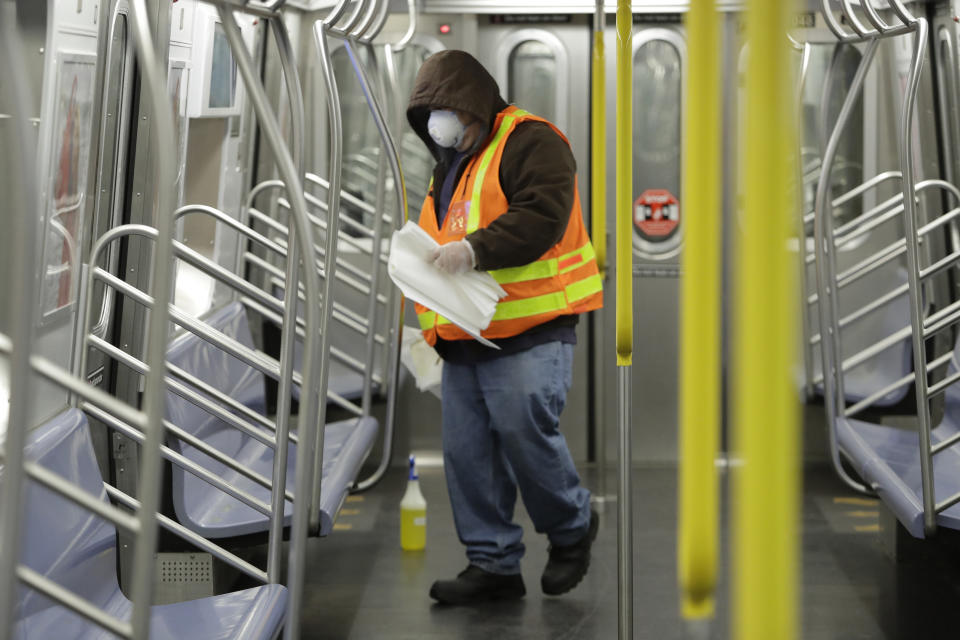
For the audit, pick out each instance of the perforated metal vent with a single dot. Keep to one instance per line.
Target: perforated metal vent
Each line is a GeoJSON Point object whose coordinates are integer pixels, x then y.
{"type": "Point", "coordinates": [183, 576]}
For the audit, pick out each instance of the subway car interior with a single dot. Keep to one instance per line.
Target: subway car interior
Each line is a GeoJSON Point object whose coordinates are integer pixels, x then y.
{"type": "Point", "coordinates": [189, 450]}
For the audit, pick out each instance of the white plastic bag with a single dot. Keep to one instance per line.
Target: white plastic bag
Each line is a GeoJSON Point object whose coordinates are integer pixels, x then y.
{"type": "Point", "coordinates": [421, 360]}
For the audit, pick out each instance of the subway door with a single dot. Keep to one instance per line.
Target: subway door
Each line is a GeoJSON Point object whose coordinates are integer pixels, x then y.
{"type": "Point", "coordinates": [544, 67]}
{"type": "Point", "coordinates": [114, 89]}
{"type": "Point", "coordinates": [659, 65]}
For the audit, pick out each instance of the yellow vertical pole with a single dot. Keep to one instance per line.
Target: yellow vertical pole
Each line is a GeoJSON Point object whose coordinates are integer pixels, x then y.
{"type": "Point", "coordinates": [624, 204]}
{"type": "Point", "coordinates": [624, 183]}
{"type": "Point", "coordinates": [598, 137]}
{"type": "Point", "coordinates": [700, 317]}
{"type": "Point", "coordinates": [767, 487]}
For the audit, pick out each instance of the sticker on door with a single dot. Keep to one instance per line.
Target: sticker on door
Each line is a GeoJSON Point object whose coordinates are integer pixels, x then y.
{"type": "Point", "coordinates": [656, 214]}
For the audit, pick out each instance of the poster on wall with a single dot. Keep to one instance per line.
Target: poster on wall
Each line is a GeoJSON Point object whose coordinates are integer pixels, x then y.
{"type": "Point", "coordinates": [67, 182]}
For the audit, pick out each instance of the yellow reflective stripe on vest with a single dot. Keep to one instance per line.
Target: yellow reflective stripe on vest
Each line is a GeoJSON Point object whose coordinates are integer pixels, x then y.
{"type": "Point", "coordinates": [584, 288]}
{"type": "Point", "coordinates": [533, 271]}
{"type": "Point", "coordinates": [427, 319]}
{"type": "Point", "coordinates": [546, 268]}
{"type": "Point", "coordinates": [531, 306]}
{"type": "Point", "coordinates": [473, 217]}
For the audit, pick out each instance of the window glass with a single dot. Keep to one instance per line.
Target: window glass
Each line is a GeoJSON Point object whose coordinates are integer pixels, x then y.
{"type": "Point", "coordinates": [657, 89]}
{"type": "Point", "coordinates": [532, 83]}
{"type": "Point", "coordinates": [223, 72]}
{"type": "Point", "coordinates": [847, 170]}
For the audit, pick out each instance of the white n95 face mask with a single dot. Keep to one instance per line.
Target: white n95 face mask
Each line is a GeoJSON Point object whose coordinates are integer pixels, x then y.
{"type": "Point", "coordinates": [445, 128]}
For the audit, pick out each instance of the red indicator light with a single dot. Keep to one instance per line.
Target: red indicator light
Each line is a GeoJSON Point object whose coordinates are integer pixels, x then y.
{"type": "Point", "coordinates": [444, 29]}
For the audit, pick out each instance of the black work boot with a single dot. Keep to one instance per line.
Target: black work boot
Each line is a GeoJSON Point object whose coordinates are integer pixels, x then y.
{"type": "Point", "coordinates": [567, 565]}
{"type": "Point", "coordinates": [476, 585]}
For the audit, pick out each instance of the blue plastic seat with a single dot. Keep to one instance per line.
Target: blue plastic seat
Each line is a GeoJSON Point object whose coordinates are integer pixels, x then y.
{"type": "Point", "coordinates": [209, 511]}
{"type": "Point", "coordinates": [889, 459]}
{"type": "Point", "coordinates": [343, 380]}
{"type": "Point", "coordinates": [890, 365]}
{"type": "Point", "coordinates": [71, 546]}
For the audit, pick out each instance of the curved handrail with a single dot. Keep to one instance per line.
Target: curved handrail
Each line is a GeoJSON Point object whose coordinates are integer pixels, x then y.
{"type": "Point", "coordinates": [407, 36]}
{"type": "Point", "coordinates": [874, 17]}
{"type": "Point", "coordinates": [288, 336]}
{"type": "Point", "coordinates": [913, 273]}
{"type": "Point", "coordinates": [380, 22]}
{"type": "Point", "coordinates": [347, 29]}
{"type": "Point", "coordinates": [830, 349]}
{"type": "Point", "coordinates": [367, 20]}
{"type": "Point", "coordinates": [396, 306]}
{"type": "Point", "coordinates": [311, 475]}
{"type": "Point", "coordinates": [23, 258]}
{"type": "Point", "coordinates": [336, 13]}
{"type": "Point", "coordinates": [848, 12]}
{"type": "Point", "coordinates": [310, 407]}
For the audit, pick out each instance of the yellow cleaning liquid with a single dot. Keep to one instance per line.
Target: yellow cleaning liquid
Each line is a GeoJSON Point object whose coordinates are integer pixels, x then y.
{"type": "Point", "coordinates": [413, 514]}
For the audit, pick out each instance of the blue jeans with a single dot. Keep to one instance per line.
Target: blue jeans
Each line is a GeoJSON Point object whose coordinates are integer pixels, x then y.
{"type": "Point", "coordinates": [500, 433]}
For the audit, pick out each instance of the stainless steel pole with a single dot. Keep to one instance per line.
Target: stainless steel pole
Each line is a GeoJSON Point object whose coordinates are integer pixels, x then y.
{"type": "Point", "coordinates": [288, 336]}
{"type": "Point", "coordinates": [24, 209]}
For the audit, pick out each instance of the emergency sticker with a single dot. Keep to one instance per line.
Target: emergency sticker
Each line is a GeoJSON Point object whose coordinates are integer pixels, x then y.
{"type": "Point", "coordinates": [656, 214]}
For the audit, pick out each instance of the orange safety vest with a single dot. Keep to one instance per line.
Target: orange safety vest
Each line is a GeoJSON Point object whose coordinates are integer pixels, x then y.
{"type": "Point", "coordinates": [564, 281]}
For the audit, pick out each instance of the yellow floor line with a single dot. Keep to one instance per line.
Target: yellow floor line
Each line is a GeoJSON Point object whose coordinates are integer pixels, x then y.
{"type": "Point", "coordinates": [349, 512]}
{"type": "Point", "coordinates": [862, 514]}
{"type": "Point", "coordinates": [354, 499]}
{"type": "Point", "coordinates": [342, 526]}
{"type": "Point", "coordinates": [863, 502]}
{"type": "Point", "coordinates": [867, 528]}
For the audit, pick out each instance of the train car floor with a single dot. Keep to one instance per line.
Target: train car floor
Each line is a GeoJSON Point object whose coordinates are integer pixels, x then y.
{"type": "Point", "coordinates": [362, 586]}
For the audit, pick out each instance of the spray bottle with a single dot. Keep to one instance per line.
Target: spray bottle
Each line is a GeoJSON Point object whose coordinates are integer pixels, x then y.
{"type": "Point", "coordinates": [413, 514]}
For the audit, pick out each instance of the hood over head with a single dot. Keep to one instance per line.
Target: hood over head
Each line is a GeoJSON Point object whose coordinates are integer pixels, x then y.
{"type": "Point", "coordinates": [453, 80]}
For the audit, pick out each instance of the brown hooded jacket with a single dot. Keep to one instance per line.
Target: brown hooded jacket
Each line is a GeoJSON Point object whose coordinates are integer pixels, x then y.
{"type": "Point", "coordinates": [538, 172]}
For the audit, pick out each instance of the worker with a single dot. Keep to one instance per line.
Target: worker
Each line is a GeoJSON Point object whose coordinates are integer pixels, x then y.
{"type": "Point", "coordinates": [504, 200]}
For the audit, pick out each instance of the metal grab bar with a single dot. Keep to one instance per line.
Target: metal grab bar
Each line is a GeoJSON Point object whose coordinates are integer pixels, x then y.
{"type": "Point", "coordinates": [767, 491]}
{"type": "Point", "coordinates": [855, 192]}
{"type": "Point", "coordinates": [180, 460]}
{"type": "Point", "coordinates": [198, 541]}
{"type": "Point", "coordinates": [828, 308]}
{"type": "Point", "coordinates": [149, 420]}
{"type": "Point", "coordinates": [805, 54]}
{"type": "Point", "coordinates": [312, 411]}
{"type": "Point", "coordinates": [854, 409]}
{"type": "Point", "coordinates": [22, 261]}
{"type": "Point", "coordinates": [395, 305]}
{"type": "Point", "coordinates": [701, 320]}
{"type": "Point", "coordinates": [407, 36]}
{"type": "Point", "coordinates": [624, 328]}
{"type": "Point", "coordinates": [865, 310]}
{"type": "Point", "coordinates": [913, 260]}
{"type": "Point", "coordinates": [310, 459]}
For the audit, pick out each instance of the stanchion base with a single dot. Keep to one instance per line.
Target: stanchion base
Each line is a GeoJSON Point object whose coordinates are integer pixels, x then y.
{"type": "Point", "coordinates": [599, 503]}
